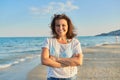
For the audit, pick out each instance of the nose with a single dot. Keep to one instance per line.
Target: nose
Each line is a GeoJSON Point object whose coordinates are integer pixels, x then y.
{"type": "Point", "coordinates": [60, 27]}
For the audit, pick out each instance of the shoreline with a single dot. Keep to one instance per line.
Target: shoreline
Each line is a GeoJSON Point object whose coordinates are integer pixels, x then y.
{"type": "Point", "coordinates": [38, 73]}
{"type": "Point", "coordinates": [100, 63]}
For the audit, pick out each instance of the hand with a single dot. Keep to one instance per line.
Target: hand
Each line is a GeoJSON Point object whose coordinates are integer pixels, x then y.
{"type": "Point", "coordinates": [64, 62]}
{"type": "Point", "coordinates": [74, 55]}
{"type": "Point", "coordinates": [53, 58]}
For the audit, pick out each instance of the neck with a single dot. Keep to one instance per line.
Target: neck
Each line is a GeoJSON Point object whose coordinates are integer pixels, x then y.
{"type": "Point", "coordinates": [62, 38]}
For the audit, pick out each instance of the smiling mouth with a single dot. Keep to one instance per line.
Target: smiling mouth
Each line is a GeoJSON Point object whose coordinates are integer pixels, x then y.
{"type": "Point", "coordinates": [61, 31]}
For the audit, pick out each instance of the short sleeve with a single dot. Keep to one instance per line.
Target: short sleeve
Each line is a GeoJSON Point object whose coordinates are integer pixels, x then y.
{"type": "Point", "coordinates": [77, 47]}
{"type": "Point", "coordinates": [45, 43]}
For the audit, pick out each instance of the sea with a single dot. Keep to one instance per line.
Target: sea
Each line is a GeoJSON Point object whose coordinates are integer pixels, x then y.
{"type": "Point", "coordinates": [19, 55]}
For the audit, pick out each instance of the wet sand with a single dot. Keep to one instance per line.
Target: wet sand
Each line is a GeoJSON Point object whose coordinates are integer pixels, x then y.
{"type": "Point", "coordinates": [100, 63]}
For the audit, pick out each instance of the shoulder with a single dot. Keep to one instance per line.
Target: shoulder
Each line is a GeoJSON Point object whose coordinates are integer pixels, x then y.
{"type": "Point", "coordinates": [75, 40]}
{"type": "Point", "coordinates": [49, 40]}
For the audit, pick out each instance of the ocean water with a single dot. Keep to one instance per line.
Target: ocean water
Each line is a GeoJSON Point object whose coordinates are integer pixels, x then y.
{"type": "Point", "coordinates": [18, 55]}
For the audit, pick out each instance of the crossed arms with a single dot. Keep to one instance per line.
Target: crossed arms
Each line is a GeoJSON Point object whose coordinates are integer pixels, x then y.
{"type": "Point", "coordinates": [52, 61]}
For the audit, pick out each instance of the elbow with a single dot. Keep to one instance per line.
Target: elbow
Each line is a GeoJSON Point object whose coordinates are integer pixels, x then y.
{"type": "Point", "coordinates": [80, 62]}
{"type": "Point", "coordinates": [43, 62]}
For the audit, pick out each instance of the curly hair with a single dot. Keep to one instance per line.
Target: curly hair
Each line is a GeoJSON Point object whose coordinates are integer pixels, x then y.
{"type": "Point", "coordinates": [70, 34]}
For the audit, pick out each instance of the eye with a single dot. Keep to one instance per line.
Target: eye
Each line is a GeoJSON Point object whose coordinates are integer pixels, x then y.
{"type": "Point", "coordinates": [57, 25]}
{"type": "Point", "coordinates": [63, 25]}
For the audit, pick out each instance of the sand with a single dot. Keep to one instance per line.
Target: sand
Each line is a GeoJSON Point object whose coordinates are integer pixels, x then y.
{"type": "Point", "coordinates": [100, 63]}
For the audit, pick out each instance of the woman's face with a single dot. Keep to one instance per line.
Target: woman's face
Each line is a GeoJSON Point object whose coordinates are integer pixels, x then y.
{"type": "Point", "coordinates": [61, 27]}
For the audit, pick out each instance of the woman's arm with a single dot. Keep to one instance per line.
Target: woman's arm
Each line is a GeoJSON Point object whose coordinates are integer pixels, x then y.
{"type": "Point", "coordinates": [75, 60]}
{"type": "Point", "coordinates": [48, 60]}
{"type": "Point", "coordinates": [52, 61]}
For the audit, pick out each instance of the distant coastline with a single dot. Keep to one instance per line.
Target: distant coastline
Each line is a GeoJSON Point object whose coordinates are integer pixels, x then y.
{"type": "Point", "coordinates": [112, 33]}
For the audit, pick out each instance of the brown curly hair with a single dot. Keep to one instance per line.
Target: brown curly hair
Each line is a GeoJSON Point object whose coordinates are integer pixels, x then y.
{"type": "Point", "coordinates": [70, 34]}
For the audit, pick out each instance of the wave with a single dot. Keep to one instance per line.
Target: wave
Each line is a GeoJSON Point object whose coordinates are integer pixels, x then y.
{"type": "Point", "coordinates": [21, 50]}
{"type": "Point", "coordinates": [3, 66]}
{"type": "Point", "coordinates": [100, 44]}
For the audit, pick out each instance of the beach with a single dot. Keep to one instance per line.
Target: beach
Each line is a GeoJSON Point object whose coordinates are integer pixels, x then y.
{"type": "Point", "coordinates": [100, 63]}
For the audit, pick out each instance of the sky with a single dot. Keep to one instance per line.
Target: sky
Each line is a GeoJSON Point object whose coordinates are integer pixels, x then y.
{"type": "Point", "coordinates": [31, 18]}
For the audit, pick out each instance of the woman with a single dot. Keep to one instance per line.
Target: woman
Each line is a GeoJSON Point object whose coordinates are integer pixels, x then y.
{"type": "Point", "coordinates": [62, 53]}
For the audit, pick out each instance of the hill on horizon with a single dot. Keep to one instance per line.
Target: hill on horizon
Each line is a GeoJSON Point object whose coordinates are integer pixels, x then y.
{"type": "Point", "coordinates": [112, 33]}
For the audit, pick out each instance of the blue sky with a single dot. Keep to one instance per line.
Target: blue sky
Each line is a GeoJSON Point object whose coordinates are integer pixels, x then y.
{"type": "Point", "coordinates": [32, 17]}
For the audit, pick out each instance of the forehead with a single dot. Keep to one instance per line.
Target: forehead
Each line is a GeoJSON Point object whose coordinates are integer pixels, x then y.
{"type": "Point", "coordinates": [58, 21]}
